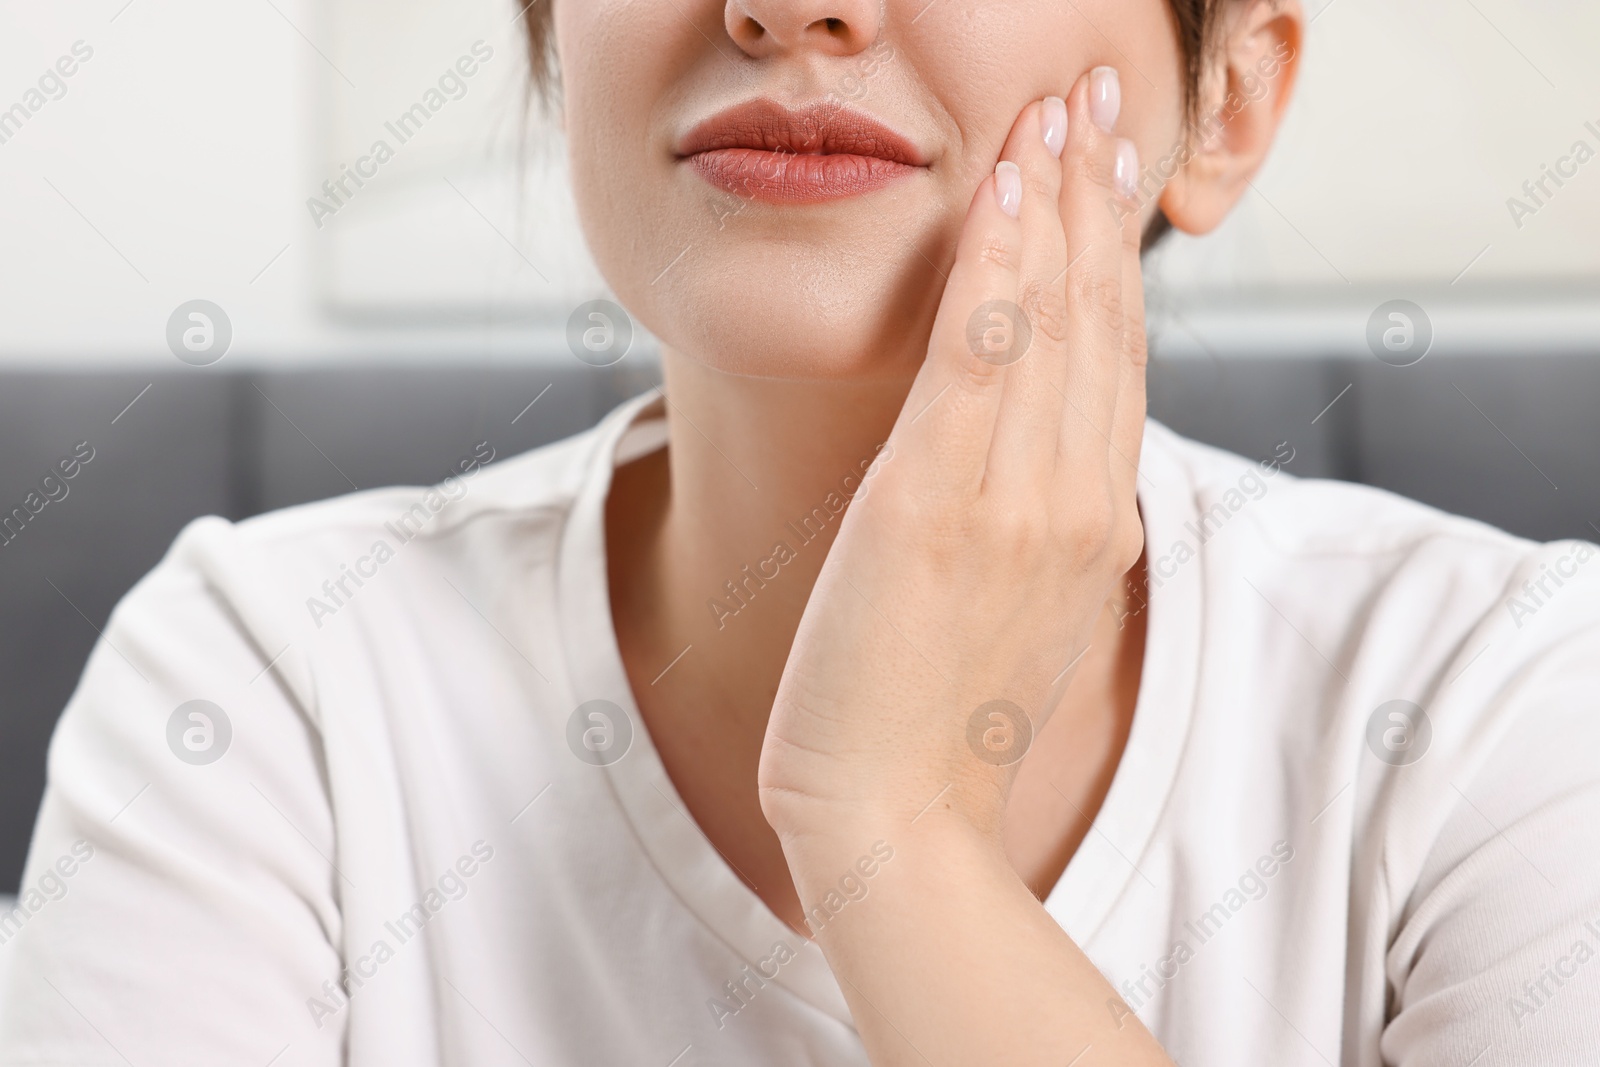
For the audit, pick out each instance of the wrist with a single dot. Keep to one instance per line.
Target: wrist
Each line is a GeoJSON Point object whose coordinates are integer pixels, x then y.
{"type": "Point", "coordinates": [823, 838]}
{"type": "Point", "coordinates": [834, 875]}
{"type": "Point", "coordinates": [808, 791]}
{"type": "Point", "coordinates": [867, 803]}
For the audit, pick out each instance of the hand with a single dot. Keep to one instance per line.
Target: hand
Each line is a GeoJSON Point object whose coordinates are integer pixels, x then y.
{"type": "Point", "coordinates": [973, 567]}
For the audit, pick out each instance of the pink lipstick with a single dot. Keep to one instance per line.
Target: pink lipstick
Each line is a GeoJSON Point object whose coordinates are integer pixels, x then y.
{"type": "Point", "coordinates": [761, 150]}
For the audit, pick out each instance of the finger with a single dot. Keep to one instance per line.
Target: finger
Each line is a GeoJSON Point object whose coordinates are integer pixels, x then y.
{"type": "Point", "coordinates": [948, 420]}
{"type": "Point", "coordinates": [1127, 426]}
{"type": "Point", "coordinates": [1022, 456]}
{"type": "Point", "coordinates": [1091, 203]}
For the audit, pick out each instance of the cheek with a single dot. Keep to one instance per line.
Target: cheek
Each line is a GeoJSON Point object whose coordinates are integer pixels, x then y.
{"type": "Point", "coordinates": [989, 72]}
{"type": "Point", "coordinates": [619, 63]}
{"type": "Point", "coordinates": [983, 72]}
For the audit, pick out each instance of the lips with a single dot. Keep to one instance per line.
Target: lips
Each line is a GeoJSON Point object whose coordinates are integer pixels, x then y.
{"type": "Point", "coordinates": [764, 151]}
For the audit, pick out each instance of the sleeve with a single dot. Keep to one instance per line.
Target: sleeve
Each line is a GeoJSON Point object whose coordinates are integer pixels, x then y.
{"type": "Point", "coordinates": [1497, 958]}
{"type": "Point", "coordinates": [180, 903]}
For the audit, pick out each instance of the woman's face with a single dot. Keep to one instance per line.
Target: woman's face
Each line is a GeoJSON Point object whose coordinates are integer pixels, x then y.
{"type": "Point", "coordinates": [727, 236]}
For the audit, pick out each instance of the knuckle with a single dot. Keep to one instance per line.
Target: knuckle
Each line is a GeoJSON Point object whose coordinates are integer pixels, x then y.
{"type": "Point", "coordinates": [1132, 228]}
{"type": "Point", "coordinates": [1046, 309]}
{"type": "Point", "coordinates": [1138, 340]}
{"type": "Point", "coordinates": [997, 251]}
{"type": "Point", "coordinates": [1022, 528]}
{"type": "Point", "coordinates": [1096, 164]}
{"type": "Point", "coordinates": [1042, 182]}
{"type": "Point", "coordinates": [1093, 526]}
{"type": "Point", "coordinates": [1099, 295]}
{"type": "Point", "coordinates": [1127, 544]}
{"type": "Point", "coordinates": [977, 375]}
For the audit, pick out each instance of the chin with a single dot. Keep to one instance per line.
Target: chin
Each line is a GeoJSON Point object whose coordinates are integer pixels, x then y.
{"type": "Point", "coordinates": [809, 309]}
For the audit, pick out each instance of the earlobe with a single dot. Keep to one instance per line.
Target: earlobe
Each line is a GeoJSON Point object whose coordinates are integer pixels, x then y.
{"type": "Point", "coordinates": [1244, 92]}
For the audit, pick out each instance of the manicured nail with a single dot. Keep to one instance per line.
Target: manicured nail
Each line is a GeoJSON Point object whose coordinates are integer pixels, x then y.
{"type": "Point", "coordinates": [1105, 97]}
{"type": "Point", "coordinates": [1126, 174]}
{"type": "Point", "coordinates": [1008, 188]}
{"type": "Point", "coordinates": [1053, 115]}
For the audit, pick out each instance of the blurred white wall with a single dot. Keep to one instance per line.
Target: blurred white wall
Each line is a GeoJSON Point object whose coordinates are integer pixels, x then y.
{"type": "Point", "coordinates": [1414, 123]}
{"type": "Point", "coordinates": [179, 161]}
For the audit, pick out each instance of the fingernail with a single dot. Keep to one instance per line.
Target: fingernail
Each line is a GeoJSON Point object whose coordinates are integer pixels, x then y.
{"type": "Point", "coordinates": [1126, 174]}
{"type": "Point", "coordinates": [1054, 117]}
{"type": "Point", "coordinates": [1008, 188]}
{"type": "Point", "coordinates": [1105, 97]}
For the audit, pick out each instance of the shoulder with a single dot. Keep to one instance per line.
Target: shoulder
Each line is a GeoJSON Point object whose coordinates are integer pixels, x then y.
{"type": "Point", "coordinates": [1431, 680]}
{"type": "Point", "coordinates": [1327, 609]}
{"type": "Point", "coordinates": [1355, 557]}
{"type": "Point", "coordinates": [356, 586]}
{"type": "Point", "coordinates": [534, 489]}
{"type": "Point", "coordinates": [264, 571]}
{"type": "Point", "coordinates": [1314, 516]}
{"type": "Point", "coordinates": [243, 614]}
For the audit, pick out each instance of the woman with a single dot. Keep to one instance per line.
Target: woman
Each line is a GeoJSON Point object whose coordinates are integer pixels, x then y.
{"type": "Point", "coordinates": [1067, 742]}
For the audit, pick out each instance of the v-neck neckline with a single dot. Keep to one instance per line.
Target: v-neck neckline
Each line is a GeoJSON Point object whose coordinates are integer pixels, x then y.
{"type": "Point", "coordinates": [697, 873]}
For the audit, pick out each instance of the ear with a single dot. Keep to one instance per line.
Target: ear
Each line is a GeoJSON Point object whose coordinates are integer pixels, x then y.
{"type": "Point", "coordinates": [1244, 88]}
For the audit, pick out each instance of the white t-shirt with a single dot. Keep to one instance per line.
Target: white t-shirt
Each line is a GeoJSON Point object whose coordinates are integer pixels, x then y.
{"type": "Point", "coordinates": [406, 798]}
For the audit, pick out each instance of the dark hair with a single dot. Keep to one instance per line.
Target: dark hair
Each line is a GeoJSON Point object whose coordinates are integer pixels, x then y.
{"type": "Point", "coordinates": [536, 21]}
{"type": "Point", "coordinates": [1193, 20]}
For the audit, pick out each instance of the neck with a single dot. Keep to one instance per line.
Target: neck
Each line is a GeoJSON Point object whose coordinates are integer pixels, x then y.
{"type": "Point", "coordinates": [761, 471]}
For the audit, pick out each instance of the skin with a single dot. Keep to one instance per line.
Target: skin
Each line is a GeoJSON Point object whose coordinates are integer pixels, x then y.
{"type": "Point", "coordinates": [998, 541]}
